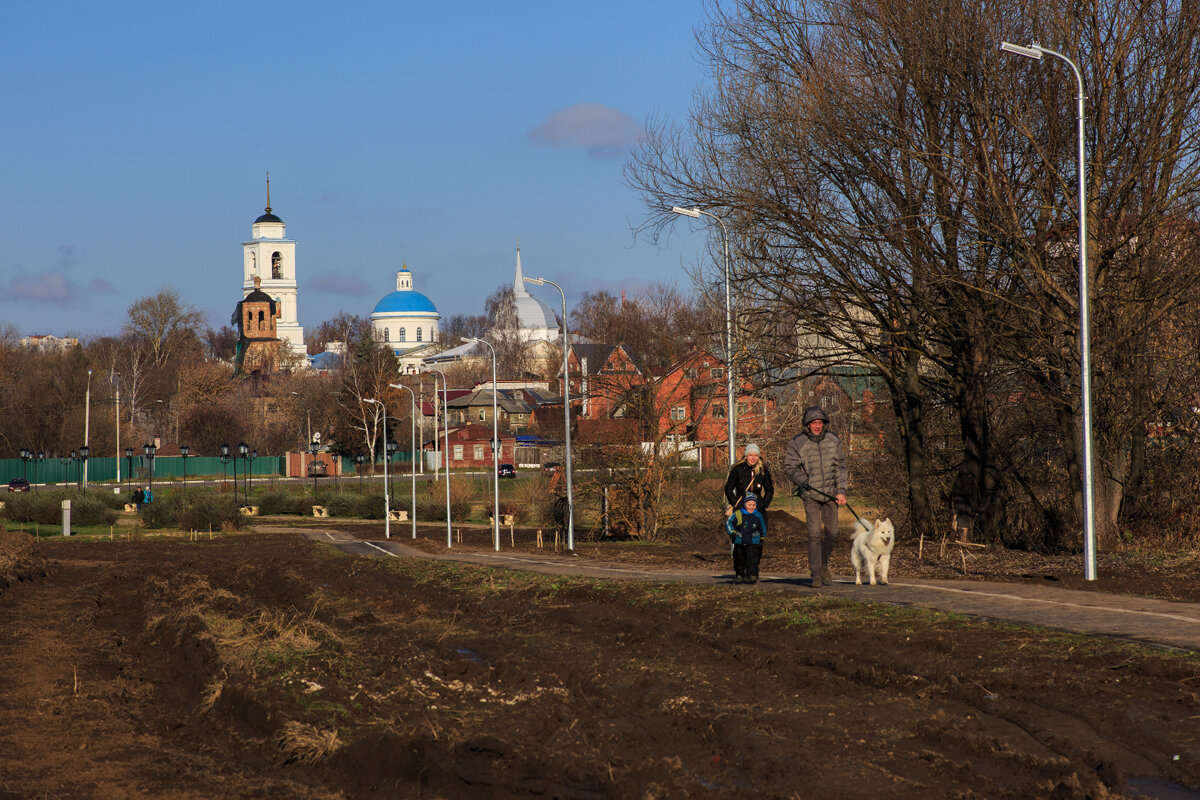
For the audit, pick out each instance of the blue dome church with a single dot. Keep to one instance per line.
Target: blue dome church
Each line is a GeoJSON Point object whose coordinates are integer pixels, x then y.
{"type": "Point", "coordinates": [405, 319]}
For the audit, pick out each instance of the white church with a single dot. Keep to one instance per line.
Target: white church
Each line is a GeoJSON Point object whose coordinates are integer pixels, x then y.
{"type": "Point", "coordinates": [270, 256]}
{"type": "Point", "coordinates": [405, 319]}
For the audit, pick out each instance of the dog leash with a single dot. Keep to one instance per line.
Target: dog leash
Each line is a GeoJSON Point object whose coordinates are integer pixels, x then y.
{"type": "Point", "coordinates": [806, 487]}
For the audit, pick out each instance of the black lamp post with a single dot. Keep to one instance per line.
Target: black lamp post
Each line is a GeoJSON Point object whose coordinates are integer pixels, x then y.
{"type": "Point", "coordinates": [129, 466]}
{"type": "Point", "coordinates": [250, 474]}
{"type": "Point", "coordinates": [392, 447]}
{"type": "Point", "coordinates": [74, 456]}
{"type": "Point", "coordinates": [150, 450]}
{"type": "Point", "coordinates": [40, 458]}
{"type": "Point", "coordinates": [225, 469]}
{"type": "Point", "coordinates": [184, 451]}
{"type": "Point", "coordinates": [244, 450]}
{"type": "Point", "coordinates": [83, 455]}
{"type": "Point", "coordinates": [358, 462]}
{"type": "Point", "coordinates": [26, 454]}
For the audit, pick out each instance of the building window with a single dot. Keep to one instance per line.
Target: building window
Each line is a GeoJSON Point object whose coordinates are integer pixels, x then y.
{"type": "Point", "coordinates": [458, 450]}
{"type": "Point", "coordinates": [276, 265]}
{"type": "Point", "coordinates": [418, 334]}
{"type": "Point", "coordinates": [717, 373]}
{"type": "Point", "coordinates": [479, 452]}
{"type": "Point", "coordinates": [718, 412]}
{"type": "Point", "coordinates": [678, 413]}
{"type": "Point", "coordinates": [482, 415]}
{"type": "Point", "coordinates": [403, 335]}
{"type": "Point", "coordinates": [689, 373]}
{"type": "Point", "coordinates": [387, 335]}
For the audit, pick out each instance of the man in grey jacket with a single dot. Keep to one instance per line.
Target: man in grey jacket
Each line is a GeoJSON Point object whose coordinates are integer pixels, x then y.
{"type": "Point", "coordinates": [816, 462]}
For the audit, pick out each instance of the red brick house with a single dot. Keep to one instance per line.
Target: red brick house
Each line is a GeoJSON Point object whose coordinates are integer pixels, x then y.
{"type": "Point", "coordinates": [470, 446]}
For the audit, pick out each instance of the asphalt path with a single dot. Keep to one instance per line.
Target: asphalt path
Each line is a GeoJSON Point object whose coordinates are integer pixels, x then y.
{"type": "Point", "coordinates": [1155, 622]}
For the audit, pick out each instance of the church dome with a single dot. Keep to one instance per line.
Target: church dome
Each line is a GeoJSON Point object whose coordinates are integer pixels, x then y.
{"type": "Point", "coordinates": [407, 301]}
{"type": "Point", "coordinates": [534, 313]}
{"type": "Point", "coordinates": [268, 217]}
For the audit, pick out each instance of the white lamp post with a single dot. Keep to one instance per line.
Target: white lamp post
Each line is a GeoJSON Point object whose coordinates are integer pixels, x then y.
{"type": "Point", "coordinates": [87, 420]}
{"type": "Point", "coordinates": [445, 444]}
{"type": "Point", "coordinates": [566, 412]}
{"type": "Point", "coordinates": [731, 410]}
{"type": "Point", "coordinates": [387, 511]}
{"type": "Point", "coordinates": [1036, 51]}
{"type": "Point", "coordinates": [413, 460]}
{"type": "Point", "coordinates": [495, 447]}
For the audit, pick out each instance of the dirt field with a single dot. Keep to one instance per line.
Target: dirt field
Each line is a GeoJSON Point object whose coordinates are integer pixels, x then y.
{"type": "Point", "coordinates": [260, 665]}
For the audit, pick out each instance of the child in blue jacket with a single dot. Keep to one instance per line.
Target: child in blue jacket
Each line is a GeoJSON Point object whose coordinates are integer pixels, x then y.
{"type": "Point", "coordinates": [746, 528]}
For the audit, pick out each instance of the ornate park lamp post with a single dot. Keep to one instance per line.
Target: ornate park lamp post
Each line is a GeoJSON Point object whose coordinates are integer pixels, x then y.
{"type": "Point", "coordinates": [150, 450]}
{"type": "Point", "coordinates": [184, 451]}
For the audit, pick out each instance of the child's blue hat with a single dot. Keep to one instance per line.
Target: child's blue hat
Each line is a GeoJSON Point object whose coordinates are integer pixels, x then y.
{"type": "Point", "coordinates": [749, 496]}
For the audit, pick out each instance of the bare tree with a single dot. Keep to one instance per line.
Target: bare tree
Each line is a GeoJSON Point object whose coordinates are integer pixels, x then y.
{"type": "Point", "coordinates": [163, 324]}
{"type": "Point", "coordinates": [883, 206]}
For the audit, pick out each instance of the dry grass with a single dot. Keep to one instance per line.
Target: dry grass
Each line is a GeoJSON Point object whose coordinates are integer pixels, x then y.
{"type": "Point", "coordinates": [307, 744]}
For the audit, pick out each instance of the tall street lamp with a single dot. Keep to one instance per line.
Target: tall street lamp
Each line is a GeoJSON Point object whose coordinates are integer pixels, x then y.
{"type": "Point", "coordinates": [313, 448]}
{"type": "Point", "coordinates": [129, 463]}
{"type": "Point", "coordinates": [731, 409]}
{"type": "Point", "coordinates": [445, 443]}
{"type": "Point", "coordinates": [40, 458]}
{"type": "Point", "coordinates": [495, 446]}
{"type": "Point", "coordinates": [87, 419]}
{"type": "Point", "coordinates": [1036, 51]}
{"type": "Point", "coordinates": [149, 450]}
{"type": "Point", "coordinates": [184, 451]}
{"type": "Point", "coordinates": [358, 467]}
{"type": "Point", "coordinates": [412, 461]}
{"type": "Point", "coordinates": [26, 454]}
{"type": "Point", "coordinates": [566, 412]}
{"type": "Point", "coordinates": [74, 456]}
{"type": "Point", "coordinates": [387, 506]}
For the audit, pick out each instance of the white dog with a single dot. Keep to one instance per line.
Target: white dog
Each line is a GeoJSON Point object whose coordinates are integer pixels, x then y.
{"type": "Point", "coordinates": [873, 543]}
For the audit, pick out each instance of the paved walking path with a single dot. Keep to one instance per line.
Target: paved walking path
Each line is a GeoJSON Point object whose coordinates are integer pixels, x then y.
{"type": "Point", "coordinates": [1157, 622]}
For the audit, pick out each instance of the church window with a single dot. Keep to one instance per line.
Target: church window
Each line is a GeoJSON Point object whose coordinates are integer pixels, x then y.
{"type": "Point", "coordinates": [261, 317]}
{"type": "Point", "coordinates": [403, 335]}
{"type": "Point", "coordinates": [387, 335]}
{"type": "Point", "coordinates": [249, 319]}
{"type": "Point", "coordinates": [253, 265]}
{"type": "Point", "coordinates": [276, 265]}
{"type": "Point", "coordinates": [418, 334]}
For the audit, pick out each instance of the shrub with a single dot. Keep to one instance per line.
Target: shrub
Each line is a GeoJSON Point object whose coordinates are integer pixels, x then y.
{"type": "Point", "coordinates": [282, 503]}
{"type": "Point", "coordinates": [45, 508]}
{"type": "Point", "coordinates": [199, 512]}
{"type": "Point", "coordinates": [160, 514]}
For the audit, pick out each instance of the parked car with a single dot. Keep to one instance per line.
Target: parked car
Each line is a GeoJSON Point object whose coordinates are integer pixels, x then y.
{"type": "Point", "coordinates": [18, 485]}
{"type": "Point", "coordinates": [550, 466]}
{"type": "Point", "coordinates": [506, 471]}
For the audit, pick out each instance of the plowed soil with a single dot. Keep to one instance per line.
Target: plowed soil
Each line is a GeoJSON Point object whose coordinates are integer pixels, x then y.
{"type": "Point", "coordinates": [261, 665]}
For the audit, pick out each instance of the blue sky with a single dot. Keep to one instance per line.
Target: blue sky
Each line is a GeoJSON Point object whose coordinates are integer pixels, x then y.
{"type": "Point", "coordinates": [137, 136]}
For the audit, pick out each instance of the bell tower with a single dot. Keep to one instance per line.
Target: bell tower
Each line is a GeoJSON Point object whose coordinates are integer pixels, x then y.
{"type": "Point", "coordinates": [270, 257]}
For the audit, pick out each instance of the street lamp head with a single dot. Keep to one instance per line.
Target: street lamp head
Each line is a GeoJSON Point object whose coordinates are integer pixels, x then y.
{"type": "Point", "coordinates": [83, 452]}
{"type": "Point", "coordinates": [129, 452]}
{"type": "Point", "coordinates": [694, 213]}
{"type": "Point", "coordinates": [243, 448]}
{"type": "Point", "coordinates": [184, 450]}
{"type": "Point", "coordinates": [224, 449]}
{"type": "Point", "coordinates": [536, 281]}
{"type": "Point", "coordinates": [149, 449]}
{"type": "Point", "coordinates": [372, 400]}
{"type": "Point", "coordinates": [470, 340]}
{"type": "Point", "coordinates": [1033, 51]}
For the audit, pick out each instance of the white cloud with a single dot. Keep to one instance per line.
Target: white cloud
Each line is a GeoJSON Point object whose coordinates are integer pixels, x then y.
{"type": "Point", "coordinates": [48, 287]}
{"type": "Point", "coordinates": [601, 130]}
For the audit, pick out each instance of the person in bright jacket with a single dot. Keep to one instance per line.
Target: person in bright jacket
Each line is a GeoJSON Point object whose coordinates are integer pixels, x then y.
{"type": "Point", "coordinates": [816, 463]}
{"type": "Point", "coordinates": [746, 528]}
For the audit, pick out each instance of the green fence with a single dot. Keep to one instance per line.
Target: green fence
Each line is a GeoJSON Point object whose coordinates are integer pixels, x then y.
{"type": "Point", "coordinates": [100, 469]}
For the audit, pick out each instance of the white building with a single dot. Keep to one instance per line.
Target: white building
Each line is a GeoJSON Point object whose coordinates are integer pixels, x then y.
{"type": "Point", "coordinates": [405, 319]}
{"type": "Point", "coordinates": [271, 256]}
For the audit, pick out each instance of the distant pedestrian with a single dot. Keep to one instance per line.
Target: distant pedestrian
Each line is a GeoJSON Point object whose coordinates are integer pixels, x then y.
{"type": "Point", "coordinates": [138, 497]}
{"type": "Point", "coordinates": [746, 528]}
{"type": "Point", "coordinates": [148, 497]}
{"type": "Point", "coordinates": [816, 463]}
{"type": "Point", "coordinates": [749, 475]}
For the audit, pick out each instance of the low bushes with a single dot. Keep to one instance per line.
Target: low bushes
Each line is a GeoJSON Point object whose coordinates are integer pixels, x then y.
{"type": "Point", "coordinates": [192, 512]}
{"type": "Point", "coordinates": [45, 507]}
